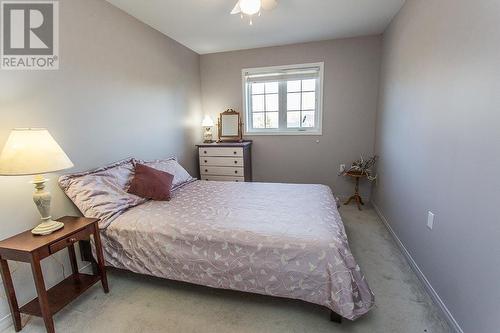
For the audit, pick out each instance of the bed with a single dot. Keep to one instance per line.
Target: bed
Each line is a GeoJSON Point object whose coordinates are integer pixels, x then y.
{"type": "Point", "coordinates": [283, 240]}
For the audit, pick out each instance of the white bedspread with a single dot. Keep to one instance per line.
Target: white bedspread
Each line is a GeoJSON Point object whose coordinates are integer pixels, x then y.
{"type": "Point", "coordinates": [282, 240]}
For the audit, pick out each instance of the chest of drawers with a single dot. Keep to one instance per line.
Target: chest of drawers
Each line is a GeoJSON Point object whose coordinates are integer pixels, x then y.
{"type": "Point", "coordinates": [225, 161]}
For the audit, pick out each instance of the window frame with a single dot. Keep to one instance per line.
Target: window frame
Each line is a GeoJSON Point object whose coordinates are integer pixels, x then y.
{"type": "Point", "coordinates": [282, 96]}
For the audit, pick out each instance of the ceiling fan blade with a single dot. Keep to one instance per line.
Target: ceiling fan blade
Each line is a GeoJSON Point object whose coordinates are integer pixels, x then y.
{"type": "Point", "coordinates": [236, 9]}
{"type": "Point", "coordinates": [269, 4]}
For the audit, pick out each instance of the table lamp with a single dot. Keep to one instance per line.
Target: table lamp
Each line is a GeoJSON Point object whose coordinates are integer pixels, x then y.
{"type": "Point", "coordinates": [208, 123]}
{"type": "Point", "coordinates": [33, 151]}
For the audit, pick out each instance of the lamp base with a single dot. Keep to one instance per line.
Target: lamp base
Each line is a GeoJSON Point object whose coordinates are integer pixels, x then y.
{"type": "Point", "coordinates": [47, 227]}
{"type": "Point", "coordinates": [42, 199]}
{"type": "Point", "coordinates": [207, 135]}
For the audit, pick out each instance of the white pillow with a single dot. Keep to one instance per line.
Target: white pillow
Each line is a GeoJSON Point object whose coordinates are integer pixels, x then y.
{"type": "Point", "coordinates": [170, 165]}
{"type": "Point", "coordinates": [102, 193]}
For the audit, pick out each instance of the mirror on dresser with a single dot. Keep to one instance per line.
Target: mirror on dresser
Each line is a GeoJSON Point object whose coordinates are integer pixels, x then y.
{"type": "Point", "coordinates": [230, 126]}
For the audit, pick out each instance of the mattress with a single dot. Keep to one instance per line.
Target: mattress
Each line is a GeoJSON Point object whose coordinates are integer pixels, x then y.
{"type": "Point", "coordinates": [284, 240]}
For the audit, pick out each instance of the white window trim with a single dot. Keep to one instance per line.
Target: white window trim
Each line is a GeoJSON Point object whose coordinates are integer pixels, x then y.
{"type": "Point", "coordinates": [314, 131]}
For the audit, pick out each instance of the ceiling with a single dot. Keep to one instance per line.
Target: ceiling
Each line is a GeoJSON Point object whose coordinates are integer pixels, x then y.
{"type": "Point", "coordinates": [205, 26]}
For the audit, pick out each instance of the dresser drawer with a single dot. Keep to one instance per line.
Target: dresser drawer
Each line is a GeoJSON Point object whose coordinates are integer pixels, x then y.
{"type": "Point", "coordinates": [222, 171]}
{"type": "Point", "coordinates": [221, 161]}
{"type": "Point", "coordinates": [221, 151]}
{"type": "Point", "coordinates": [73, 238]}
{"type": "Point", "coordinates": [223, 178]}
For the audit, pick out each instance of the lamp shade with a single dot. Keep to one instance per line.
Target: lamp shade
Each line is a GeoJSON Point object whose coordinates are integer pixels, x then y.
{"type": "Point", "coordinates": [32, 151]}
{"type": "Point", "coordinates": [207, 121]}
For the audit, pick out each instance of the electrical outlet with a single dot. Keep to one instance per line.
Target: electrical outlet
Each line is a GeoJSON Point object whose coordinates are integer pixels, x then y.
{"type": "Point", "coordinates": [342, 168]}
{"type": "Point", "coordinates": [430, 220]}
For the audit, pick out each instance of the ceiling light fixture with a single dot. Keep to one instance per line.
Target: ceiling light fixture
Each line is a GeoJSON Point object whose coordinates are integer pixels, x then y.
{"type": "Point", "coordinates": [252, 7]}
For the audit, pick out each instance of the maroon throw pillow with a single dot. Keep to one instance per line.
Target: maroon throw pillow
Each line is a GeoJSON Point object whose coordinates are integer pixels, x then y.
{"type": "Point", "coordinates": [151, 183]}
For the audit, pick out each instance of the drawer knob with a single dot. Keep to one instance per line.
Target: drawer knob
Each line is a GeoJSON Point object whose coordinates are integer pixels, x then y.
{"type": "Point", "coordinates": [205, 161]}
{"type": "Point", "coordinates": [235, 162]}
{"type": "Point", "coordinates": [206, 170]}
{"type": "Point", "coordinates": [235, 171]}
{"type": "Point", "coordinates": [204, 152]}
{"type": "Point", "coordinates": [72, 240]}
{"type": "Point", "coordinates": [234, 153]}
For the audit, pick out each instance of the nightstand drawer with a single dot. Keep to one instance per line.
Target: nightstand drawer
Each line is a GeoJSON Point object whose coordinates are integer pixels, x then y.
{"type": "Point", "coordinates": [222, 171]}
{"type": "Point", "coordinates": [71, 239]}
{"type": "Point", "coordinates": [221, 151]}
{"type": "Point", "coordinates": [221, 161]}
{"type": "Point", "coordinates": [223, 178]}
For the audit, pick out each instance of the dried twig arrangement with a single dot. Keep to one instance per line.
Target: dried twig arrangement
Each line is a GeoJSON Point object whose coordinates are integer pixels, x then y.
{"type": "Point", "coordinates": [363, 167]}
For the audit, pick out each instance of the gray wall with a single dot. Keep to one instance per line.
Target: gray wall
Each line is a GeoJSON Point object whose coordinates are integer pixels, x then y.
{"type": "Point", "coordinates": [350, 97]}
{"type": "Point", "coordinates": [438, 135]}
{"type": "Point", "coordinates": [123, 89]}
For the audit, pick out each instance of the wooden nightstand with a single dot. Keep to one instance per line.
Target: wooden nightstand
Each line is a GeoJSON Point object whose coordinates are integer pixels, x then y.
{"type": "Point", "coordinates": [29, 248]}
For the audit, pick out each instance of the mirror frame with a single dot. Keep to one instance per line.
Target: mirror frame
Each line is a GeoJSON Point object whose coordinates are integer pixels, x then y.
{"type": "Point", "coordinates": [236, 138]}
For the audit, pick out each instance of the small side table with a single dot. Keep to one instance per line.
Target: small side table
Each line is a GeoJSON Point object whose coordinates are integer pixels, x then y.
{"type": "Point", "coordinates": [26, 247]}
{"type": "Point", "coordinates": [356, 196]}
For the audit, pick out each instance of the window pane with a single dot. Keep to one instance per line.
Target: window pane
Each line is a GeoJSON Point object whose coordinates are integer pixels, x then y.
{"type": "Point", "coordinates": [309, 85]}
{"type": "Point", "coordinates": [272, 102]}
{"type": "Point", "coordinates": [259, 120]}
{"type": "Point", "coordinates": [258, 103]}
{"type": "Point", "coordinates": [293, 101]}
{"type": "Point", "coordinates": [272, 119]}
{"type": "Point", "coordinates": [293, 86]}
{"type": "Point", "coordinates": [308, 101]}
{"type": "Point", "coordinates": [308, 119]}
{"type": "Point", "coordinates": [271, 87]}
{"type": "Point", "coordinates": [293, 119]}
{"type": "Point", "coordinates": [257, 88]}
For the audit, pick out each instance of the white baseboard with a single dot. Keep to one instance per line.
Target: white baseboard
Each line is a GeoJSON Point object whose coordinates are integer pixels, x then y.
{"type": "Point", "coordinates": [84, 268]}
{"type": "Point", "coordinates": [6, 321]}
{"type": "Point", "coordinates": [430, 290]}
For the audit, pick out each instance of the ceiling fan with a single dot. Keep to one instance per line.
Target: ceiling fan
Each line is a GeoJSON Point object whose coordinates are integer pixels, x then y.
{"type": "Point", "coordinates": [252, 7]}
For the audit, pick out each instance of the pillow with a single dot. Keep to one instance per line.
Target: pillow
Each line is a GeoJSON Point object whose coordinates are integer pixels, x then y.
{"type": "Point", "coordinates": [170, 165]}
{"type": "Point", "coordinates": [102, 193]}
{"type": "Point", "coordinates": [150, 183]}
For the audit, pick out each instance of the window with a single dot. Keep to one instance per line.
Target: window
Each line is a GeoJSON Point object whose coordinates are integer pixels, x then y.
{"type": "Point", "coordinates": [283, 100]}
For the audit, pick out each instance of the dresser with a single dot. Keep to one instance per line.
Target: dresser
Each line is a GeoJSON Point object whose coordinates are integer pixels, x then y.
{"type": "Point", "coordinates": [226, 161]}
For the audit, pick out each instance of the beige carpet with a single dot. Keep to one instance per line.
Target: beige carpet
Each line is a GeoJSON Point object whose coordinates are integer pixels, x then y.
{"type": "Point", "coordinates": [144, 304]}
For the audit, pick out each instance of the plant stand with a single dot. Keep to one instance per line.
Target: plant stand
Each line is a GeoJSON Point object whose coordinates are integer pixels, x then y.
{"type": "Point", "coordinates": [356, 196]}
